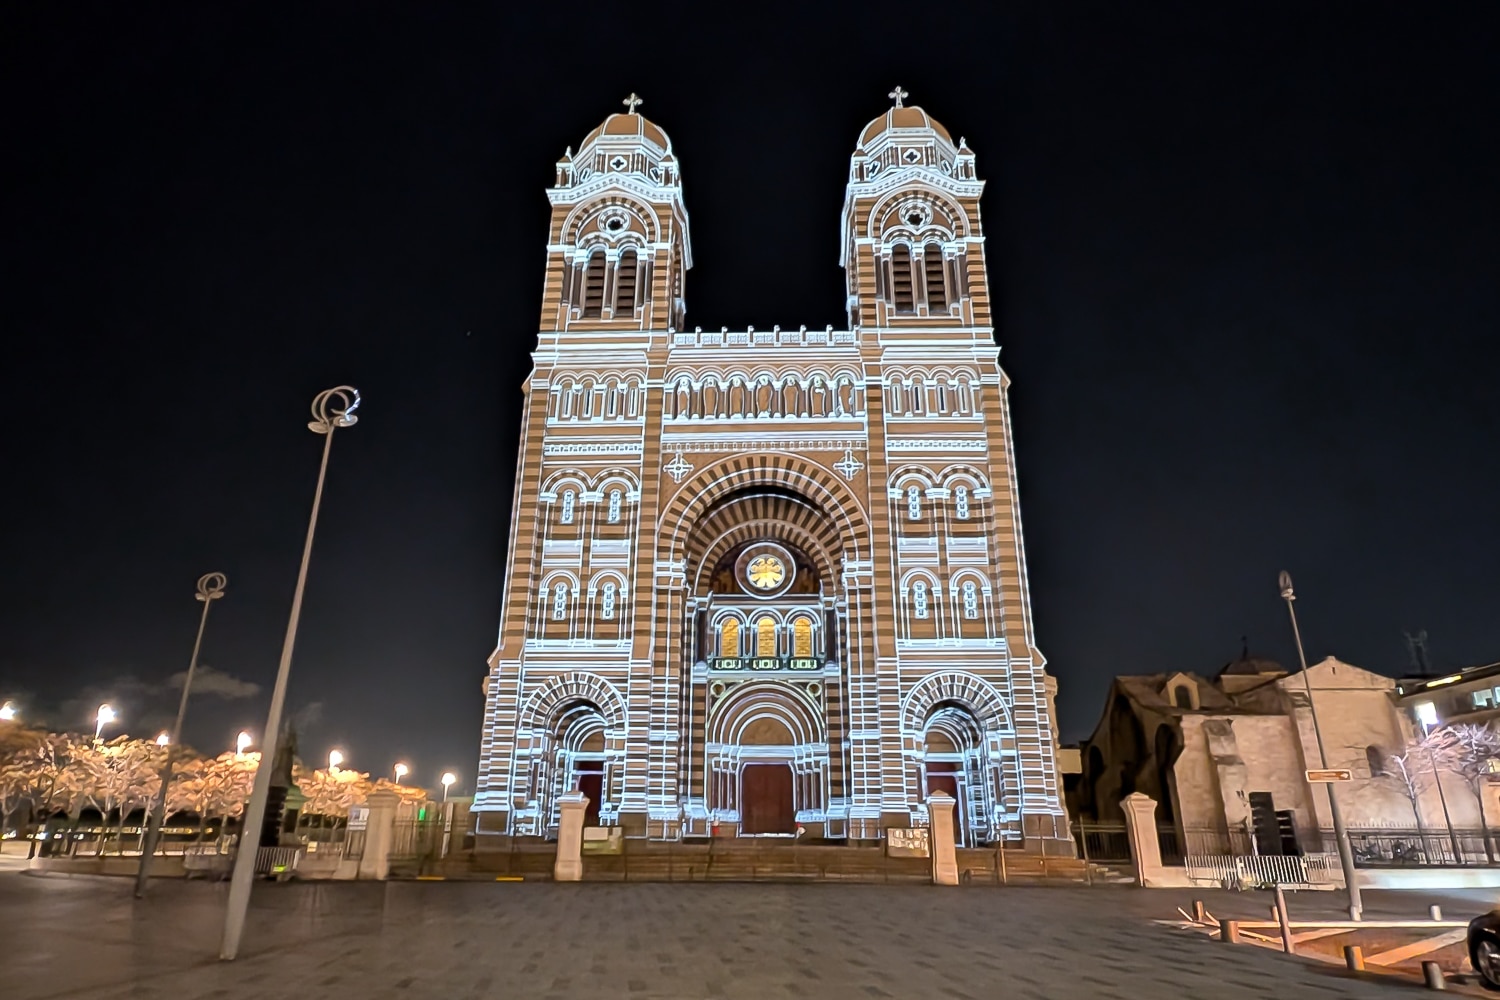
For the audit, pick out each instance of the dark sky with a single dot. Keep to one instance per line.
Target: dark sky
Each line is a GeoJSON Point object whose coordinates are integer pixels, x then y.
{"type": "Point", "coordinates": [1246, 259]}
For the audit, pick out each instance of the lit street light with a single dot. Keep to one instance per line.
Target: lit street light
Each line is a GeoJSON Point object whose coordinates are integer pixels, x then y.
{"type": "Point", "coordinates": [242, 743]}
{"type": "Point", "coordinates": [401, 771]}
{"type": "Point", "coordinates": [163, 738]}
{"type": "Point", "coordinates": [335, 758]}
{"type": "Point", "coordinates": [8, 712]}
{"type": "Point", "coordinates": [448, 779]}
{"type": "Point", "coordinates": [331, 410]}
{"type": "Point", "coordinates": [1340, 834]}
{"type": "Point", "coordinates": [106, 715]}
{"type": "Point", "coordinates": [210, 589]}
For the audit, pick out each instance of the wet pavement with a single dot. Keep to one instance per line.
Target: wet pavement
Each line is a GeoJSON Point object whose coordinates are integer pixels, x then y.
{"type": "Point", "coordinates": [65, 937]}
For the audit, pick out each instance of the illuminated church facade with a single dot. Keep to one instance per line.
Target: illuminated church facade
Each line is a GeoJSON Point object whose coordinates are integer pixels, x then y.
{"type": "Point", "coordinates": [768, 582]}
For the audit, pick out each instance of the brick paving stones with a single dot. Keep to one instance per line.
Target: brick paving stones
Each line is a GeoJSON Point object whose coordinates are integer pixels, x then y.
{"type": "Point", "coordinates": [87, 937]}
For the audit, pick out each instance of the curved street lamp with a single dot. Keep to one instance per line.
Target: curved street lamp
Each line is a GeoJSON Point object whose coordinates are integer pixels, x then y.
{"type": "Point", "coordinates": [102, 718]}
{"type": "Point", "coordinates": [448, 779]}
{"type": "Point", "coordinates": [242, 743]}
{"type": "Point", "coordinates": [332, 409]}
{"type": "Point", "coordinates": [1340, 834]}
{"type": "Point", "coordinates": [210, 588]}
{"type": "Point", "coordinates": [401, 771]}
{"type": "Point", "coordinates": [8, 712]}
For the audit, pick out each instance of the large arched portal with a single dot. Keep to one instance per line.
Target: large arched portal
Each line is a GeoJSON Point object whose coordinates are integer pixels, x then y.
{"type": "Point", "coordinates": [767, 758]}
{"type": "Point", "coordinates": [766, 690]}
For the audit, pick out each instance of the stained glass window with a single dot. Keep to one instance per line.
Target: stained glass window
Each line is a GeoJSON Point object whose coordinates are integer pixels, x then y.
{"type": "Point", "coordinates": [567, 507]}
{"type": "Point", "coordinates": [765, 637]}
{"type": "Point", "coordinates": [607, 608]}
{"type": "Point", "coordinates": [919, 598]}
{"type": "Point", "coordinates": [802, 637]}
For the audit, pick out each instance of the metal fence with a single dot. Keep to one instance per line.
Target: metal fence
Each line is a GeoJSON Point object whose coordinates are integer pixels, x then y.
{"type": "Point", "coordinates": [1105, 843]}
{"type": "Point", "coordinates": [1382, 847]}
{"type": "Point", "coordinates": [1261, 869]}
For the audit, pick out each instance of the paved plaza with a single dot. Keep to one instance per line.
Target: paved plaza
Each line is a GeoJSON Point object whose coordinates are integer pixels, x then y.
{"type": "Point", "coordinates": [64, 937]}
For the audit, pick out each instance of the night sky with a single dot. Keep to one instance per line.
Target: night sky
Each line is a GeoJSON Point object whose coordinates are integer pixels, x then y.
{"type": "Point", "coordinates": [1246, 261]}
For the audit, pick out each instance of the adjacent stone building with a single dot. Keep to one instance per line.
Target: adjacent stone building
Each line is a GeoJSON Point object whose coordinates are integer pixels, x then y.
{"type": "Point", "coordinates": [1226, 757]}
{"type": "Point", "coordinates": [768, 582]}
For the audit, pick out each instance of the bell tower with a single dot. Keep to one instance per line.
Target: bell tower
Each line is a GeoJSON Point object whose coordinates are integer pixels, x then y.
{"type": "Point", "coordinates": [618, 244]}
{"type": "Point", "coordinates": [913, 249]}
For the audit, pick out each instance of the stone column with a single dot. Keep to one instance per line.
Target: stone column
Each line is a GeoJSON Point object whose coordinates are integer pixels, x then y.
{"type": "Point", "coordinates": [569, 864]}
{"type": "Point", "coordinates": [1140, 827]}
{"type": "Point", "coordinates": [380, 833]}
{"type": "Point", "coordinates": [940, 832]}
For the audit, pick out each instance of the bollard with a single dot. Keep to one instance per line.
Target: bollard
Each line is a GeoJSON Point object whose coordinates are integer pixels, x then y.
{"type": "Point", "coordinates": [1229, 931]}
{"type": "Point", "coordinates": [1200, 912]}
{"type": "Point", "coordinates": [1435, 912]}
{"type": "Point", "coordinates": [1432, 974]}
{"type": "Point", "coordinates": [1354, 958]}
{"type": "Point", "coordinates": [1283, 921]}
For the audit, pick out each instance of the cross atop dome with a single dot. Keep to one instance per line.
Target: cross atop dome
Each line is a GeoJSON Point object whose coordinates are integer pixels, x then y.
{"type": "Point", "coordinates": [632, 102]}
{"type": "Point", "coordinates": [898, 95]}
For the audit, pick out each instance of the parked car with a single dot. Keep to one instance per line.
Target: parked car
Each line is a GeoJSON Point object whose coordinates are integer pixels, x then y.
{"type": "Point", "coordinates": [1484, 948]}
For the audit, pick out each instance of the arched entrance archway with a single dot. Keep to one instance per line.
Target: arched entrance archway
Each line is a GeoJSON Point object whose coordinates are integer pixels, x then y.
{"type": "Point", "coordinates": [953, 762]}
{"type": "Point", "coordinates": [767, 759]}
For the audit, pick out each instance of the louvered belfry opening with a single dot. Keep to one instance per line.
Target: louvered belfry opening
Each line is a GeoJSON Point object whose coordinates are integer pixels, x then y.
{"type": "Point", "coordinates": [593, 287]}
{"type": "Point", "coordinates": [901, 292]}
{"type": "Point", "coordinates": [625, 272]}
{"type": "Point", "coordinates": [932, 266]}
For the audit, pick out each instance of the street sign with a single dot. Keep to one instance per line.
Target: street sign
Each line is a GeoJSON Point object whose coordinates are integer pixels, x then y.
{"type": "Point", "coordinates": [1330, 774]}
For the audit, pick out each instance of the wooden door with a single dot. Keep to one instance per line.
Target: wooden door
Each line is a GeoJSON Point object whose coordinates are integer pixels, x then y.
{"type": "Point", "coordinates": [766, 799]}
{"type": "Point", "coordinates": [947, 782]}
{"type": "Point", "coordinates": [591, 783]}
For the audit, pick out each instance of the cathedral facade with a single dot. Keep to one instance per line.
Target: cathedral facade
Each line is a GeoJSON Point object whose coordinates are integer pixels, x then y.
{"type": "Point", "coordinates": [768, 582]}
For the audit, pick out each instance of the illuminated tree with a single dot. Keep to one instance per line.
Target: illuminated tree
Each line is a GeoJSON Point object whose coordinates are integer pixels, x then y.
{"type": "Point", "coordinates": [1474, 755]}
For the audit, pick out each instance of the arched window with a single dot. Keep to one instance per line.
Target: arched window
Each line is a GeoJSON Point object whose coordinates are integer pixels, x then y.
{"type": "Point", "coordinates": [593, 286]}
{"type": "Point", "coordinates": [614, 507]}
{"type": "Point", "coordinates": [919, 598]}
{"type": "Point", "coordinates": [560, 602]}
{"type": "Point", "coordinates": [729, 637]}
{"type": "Point", "coordinates": [901, 291]}
{"type": "Point", "coordinates": [971, 599]}
{"type": "Point", "coordinates": [913, 503]}
{"type": "Point", "coordinates": [961, 502]}
{"type": "Point", "coordinates": [1375, 757]}
{"type": "Point", "coordinates": [607, 604]}
{"type": "Point", "coordinates": [625, 274]}
{"type": "Point", "coordinates": [765, 637]}
{"type": "Point", "coordinates": [802, 637]}
{"type": "Point", "coordinates": [1181, 696]}
{"type": "Point", "coordinates": [933, 271]}
{"type": "Point", "coordinates": [567, 506]}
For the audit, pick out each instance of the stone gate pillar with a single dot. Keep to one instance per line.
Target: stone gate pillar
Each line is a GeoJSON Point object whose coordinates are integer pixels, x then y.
{"type": "Point", "coordinates": [1140, 828]}
{"type": "Point", "coordinates": [569, 864]}
{"type": "Point", "coordinates": [940, 832]}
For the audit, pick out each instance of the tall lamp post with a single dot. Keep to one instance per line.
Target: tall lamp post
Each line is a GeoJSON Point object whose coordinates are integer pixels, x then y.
{"type": "Point", "coordinates": [401, 771]}
{"type": "Point", "coordinates": [331, 409]}
{"type": "Point", "coordinates": [210, 588]}
{"type": "Point", "coordinates": [1340, 834]}
{"type": "Point", "coordinates": [448, 779]}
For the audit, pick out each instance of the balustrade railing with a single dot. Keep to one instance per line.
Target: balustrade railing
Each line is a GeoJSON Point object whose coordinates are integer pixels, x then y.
{"type": "Point", "coordinates": [765, 663]}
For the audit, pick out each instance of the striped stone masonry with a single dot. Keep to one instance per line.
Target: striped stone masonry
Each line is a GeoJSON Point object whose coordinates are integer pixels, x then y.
{"type": "Point", "coordinates": [768, 582]}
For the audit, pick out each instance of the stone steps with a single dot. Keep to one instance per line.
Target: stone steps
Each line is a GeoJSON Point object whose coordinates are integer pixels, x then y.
{"type": "Point", "coordinates": [779, 861]}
